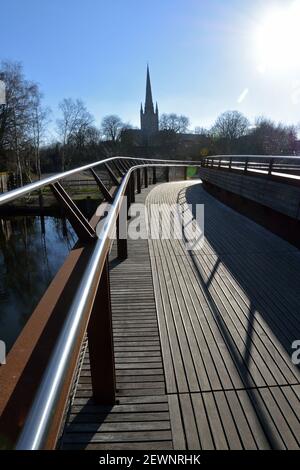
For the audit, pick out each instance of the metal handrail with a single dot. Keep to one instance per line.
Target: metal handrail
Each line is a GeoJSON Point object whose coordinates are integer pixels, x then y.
{"type": "Point", "coordinates": [28, 188]}
{"type": "Point", "coordinates": [285, 167]}
{"type": "Point", "coordinates": [288, 157]}
{"type": "Point", "coordinates": [41, 415]}
{"type": "Point", "coordinates": [16, 193]}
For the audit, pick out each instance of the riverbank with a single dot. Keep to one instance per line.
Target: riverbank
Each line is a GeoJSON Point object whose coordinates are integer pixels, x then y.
{"type": "Point", "coordinates": [86, 198]}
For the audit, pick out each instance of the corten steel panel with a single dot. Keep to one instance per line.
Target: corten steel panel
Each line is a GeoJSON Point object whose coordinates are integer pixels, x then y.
{"type": "Point", "coordinates": [27, 360]}
{"type": "Point", "coordinates": [29, 356]}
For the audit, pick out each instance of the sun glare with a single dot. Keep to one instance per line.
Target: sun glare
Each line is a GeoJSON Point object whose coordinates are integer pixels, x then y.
{"type": "Point", "coordinates": [277, 38]}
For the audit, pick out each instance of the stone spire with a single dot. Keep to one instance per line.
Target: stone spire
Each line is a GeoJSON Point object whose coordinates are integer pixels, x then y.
{"type": "Point", "coordinates": [149, 117]}
{"type": "Point", "coordinates": [148, 102]}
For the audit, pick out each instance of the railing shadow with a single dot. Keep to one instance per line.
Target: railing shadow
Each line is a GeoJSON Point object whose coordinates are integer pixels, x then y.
{"type": "Point", "coordinates": [271, 280]}
{"type": "Point", "coordinates": [84, 423]}
{"type": "Point", "coordinates": [195, 194]}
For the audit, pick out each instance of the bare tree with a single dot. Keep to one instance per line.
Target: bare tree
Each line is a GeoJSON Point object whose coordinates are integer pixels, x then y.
{"type": "Point", "coordinates": [74, 123]}
{"type": "Point", "coordinates": [15, 116]}
{"type": "Point", "coordinates": [38, 127]}
{"type": "Point", "coordinates": [230, 125]}
{"type": "Point", "coordinates": [112, 127]}
{"type": "Point", "coordinates": [92, 136]}
{"type": "Point", "coordinates": [173, 122]}
{"type": "Point", "coordinates": [127, 126]}
{"type": "Point", "coordinates": [201, 131]}
{"type": "Point", "coordinates": [269, 138]}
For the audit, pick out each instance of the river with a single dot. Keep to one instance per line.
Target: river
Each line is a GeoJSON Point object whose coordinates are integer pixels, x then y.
{"type": "Point", "coordinates": [30, 256]}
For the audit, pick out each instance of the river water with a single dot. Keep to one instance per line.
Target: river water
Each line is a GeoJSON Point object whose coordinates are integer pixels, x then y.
{"type": "Point", "coordinates": [29, 259]}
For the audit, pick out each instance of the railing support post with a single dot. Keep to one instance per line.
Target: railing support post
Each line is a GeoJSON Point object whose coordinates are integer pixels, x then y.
{"type": "Point", "coordinates": [138, 180]}
{"type": "Point", "coordinates": [121, 237]}
{"type": "Point", "coordinates": [100, 341]}
{"type": "Point", "coordinates": [167, 174]}
{"type": "Point", "coordinates": [111, 174]}
{"type": "Point", "coordinates": [246, 165]}
{"type": "Point", "coordinates": [128, 195]}
{"type": "Point", "coordinates": [230, 163]}
{"type": "Point", "coordinates": [146, 177]}
{"type": "Point", "coordinates": [132, 187]}
{"type": "Point", "coordinates": [102, 186]}
{"type": "Point", "coordinates": [126, 164]}
{"type": "Point", "coordinates": [154, 181]}
{"type": "Point", "coordinates": [270, 166]}
{"type": "Point", "coordinates": [123, 166]}
{"type": "Point", "coordinates": [118, 168]}
{"type": "Point", "coordinates": [80, 224]}
{"type": "Point", "coordinates": [185, 173]}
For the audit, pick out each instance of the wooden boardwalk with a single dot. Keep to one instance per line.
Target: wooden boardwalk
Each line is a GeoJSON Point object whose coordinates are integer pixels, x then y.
{"type": "Point", "coordinates": [202, 340]}
{"type": "Point", "coordinates": [140, 419]}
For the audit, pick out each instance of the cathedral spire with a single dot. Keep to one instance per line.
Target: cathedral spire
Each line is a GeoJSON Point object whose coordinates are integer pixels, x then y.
{"type": "Point", "coordinates": [149, 102]}
{"type": "Point", "coordinates": [149, 118]}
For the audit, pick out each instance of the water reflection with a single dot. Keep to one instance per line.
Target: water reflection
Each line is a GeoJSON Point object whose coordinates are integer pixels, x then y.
{"type": "Point", "coordinates": [31, 252]}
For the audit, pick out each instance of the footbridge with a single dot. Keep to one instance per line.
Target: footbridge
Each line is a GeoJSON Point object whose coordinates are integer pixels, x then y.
{"type": "Point", "coordinates": [165, 342]}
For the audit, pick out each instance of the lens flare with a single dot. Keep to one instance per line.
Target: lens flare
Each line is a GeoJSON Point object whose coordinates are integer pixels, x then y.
{"type": "Point", "coordinates": [277, 39]}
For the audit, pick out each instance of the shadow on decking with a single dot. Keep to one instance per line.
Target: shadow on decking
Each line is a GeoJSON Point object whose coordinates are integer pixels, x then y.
{"type": "Point", "coordinates": [264, 278]}
{"type": "Point", "coordinates": [195, 194]}
{"type": "Point", "coordinates": [83, 421]}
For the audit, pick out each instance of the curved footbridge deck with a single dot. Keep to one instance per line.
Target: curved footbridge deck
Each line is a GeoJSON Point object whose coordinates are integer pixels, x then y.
{"type": "Point", "coordinates": [202, 340]}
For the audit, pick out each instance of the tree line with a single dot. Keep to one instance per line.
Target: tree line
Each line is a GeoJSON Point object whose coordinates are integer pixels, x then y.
{"type": "Point", "coordinates": [26, 144]}
{"type": "Point", "coordinates": [28, 150]}
{"type": "Point", "coordinates": [233, 133]}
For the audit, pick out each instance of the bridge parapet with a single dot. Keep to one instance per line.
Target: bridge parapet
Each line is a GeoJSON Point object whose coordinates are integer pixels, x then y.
{"type": "Point", "coordinates": [271, 182]}
{"type": "Point", "coordinates": [41, 366]}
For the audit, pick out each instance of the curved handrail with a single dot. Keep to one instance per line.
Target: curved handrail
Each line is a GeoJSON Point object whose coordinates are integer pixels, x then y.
{"type": "Point", "coordinates": [41, 415]}
{"type": "Point", "coordinates": [15, 193]}
{"type": "Point", "coordinates": [28, 188]}
{"type": "Point", "coordinates": [264, 157]}
{"type": "Point", "coordinates": [285, 167]}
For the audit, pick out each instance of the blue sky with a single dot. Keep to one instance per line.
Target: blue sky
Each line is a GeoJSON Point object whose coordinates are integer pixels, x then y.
{"type": "Point", "coordinates": [205, 56]}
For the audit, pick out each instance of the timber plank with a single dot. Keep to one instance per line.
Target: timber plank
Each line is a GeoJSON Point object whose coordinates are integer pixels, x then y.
{"type": "Point", "coordinates": [202, 339]}
{"type": "Point", "coordinates": [176, 423]}
{"type": "Point", "coordinates": [228, 311]}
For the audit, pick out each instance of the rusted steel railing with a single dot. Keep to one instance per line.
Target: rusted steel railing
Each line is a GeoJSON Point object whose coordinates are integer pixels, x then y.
{"type": "Point", "coordinates": [85, 308]}
{"type": "Point", "coordinates": [88, 309]}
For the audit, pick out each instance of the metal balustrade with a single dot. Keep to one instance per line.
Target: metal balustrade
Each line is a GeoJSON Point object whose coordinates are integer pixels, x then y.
{"type": "Point", "coordinates": [91, 301]}
{"type": "Point", "coordinates": [90, 309]}
{"type": "Point", "coordinates": [287, 167]}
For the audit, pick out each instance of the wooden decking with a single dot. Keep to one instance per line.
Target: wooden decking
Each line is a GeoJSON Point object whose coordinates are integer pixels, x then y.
{"type": "Point", "coordinates": [228, 315]}
{"type": "Point", "coordinates": [203, 340]}
{"type": "Point", "coordinates": [140, 419]}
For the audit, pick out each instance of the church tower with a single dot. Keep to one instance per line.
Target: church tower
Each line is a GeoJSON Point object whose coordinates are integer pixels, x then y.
{"type": "Point", "coordinates": [149, 117]}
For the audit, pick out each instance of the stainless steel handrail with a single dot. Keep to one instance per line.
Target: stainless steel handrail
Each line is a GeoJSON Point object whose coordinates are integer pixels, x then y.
{"type": "Point", "coordinates": [264, 157]}
{"type": "Point", "coordinates": [285, 167]}
{"type": "Point", "coordinates": [15, 193]}
{"type": "Point", "coordinates": [28, 188]}
{"type": "Point", "coordinates": [39, 419]}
